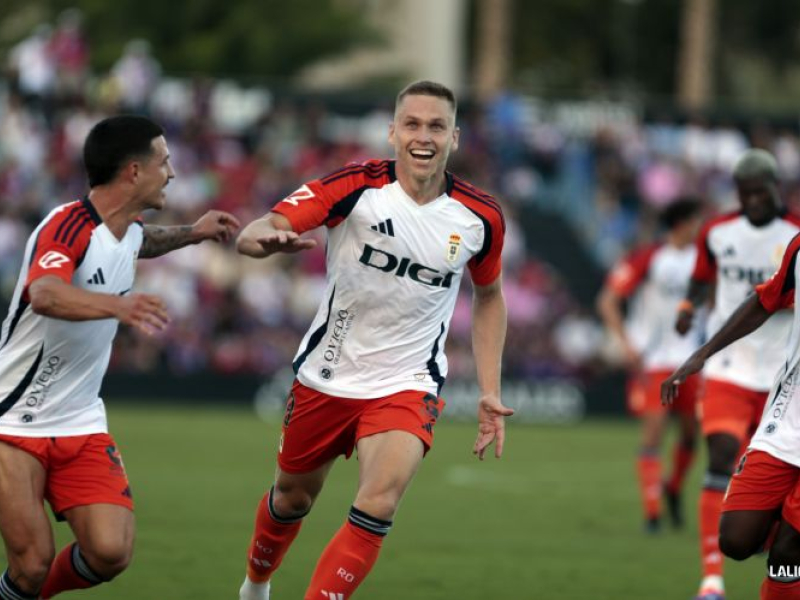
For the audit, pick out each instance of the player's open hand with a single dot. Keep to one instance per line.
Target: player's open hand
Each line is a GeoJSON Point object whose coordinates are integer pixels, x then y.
{"type": "Point", "coordinates": [669, 387]}
{"type": "Point", "coordinates": [284, 241]}
{"type": "Point", "coordinates": [215, 225]}
{"type": "Point", "coordinates": [145, 312]}
{"type": "Point", "coordinates": [491, 426]}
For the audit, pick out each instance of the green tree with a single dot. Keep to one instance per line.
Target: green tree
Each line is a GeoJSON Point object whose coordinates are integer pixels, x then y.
{"type": "Point", "coordinates": [264, 38]}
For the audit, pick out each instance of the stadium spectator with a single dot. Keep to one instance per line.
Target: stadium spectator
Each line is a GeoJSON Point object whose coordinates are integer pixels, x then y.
{"type": "Point", "coordinates": [136, 75]}
{"type": "Point", "coordinates": [73, 289]}
{"type": "Point", "coordinates": [735, 252]}
{"type": "Point", "coordinates": [372, 366]}
{"type": "Point", "coordinates": [70, 52]}
{"type": "Point", "coordinates": [652, 281]}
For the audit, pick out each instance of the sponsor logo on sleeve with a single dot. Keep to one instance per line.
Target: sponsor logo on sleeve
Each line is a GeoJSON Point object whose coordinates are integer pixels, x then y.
{"type": "Point", "coordinates": [304, 193]}
{"type": "Point", "coordinates": [53, 260]}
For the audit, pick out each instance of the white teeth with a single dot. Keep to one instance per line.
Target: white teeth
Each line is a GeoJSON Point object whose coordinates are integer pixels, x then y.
{"type": "Point", "coordinates": [422, 153]}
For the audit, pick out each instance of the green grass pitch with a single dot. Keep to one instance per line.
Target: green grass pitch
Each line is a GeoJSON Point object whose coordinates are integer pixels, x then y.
{"type": "Point", "coordinates": [557, 518]}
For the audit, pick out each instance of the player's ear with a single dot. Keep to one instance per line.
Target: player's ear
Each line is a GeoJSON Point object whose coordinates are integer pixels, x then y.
{"type": "Point", "coordinates": [391, 133]}
{"type": "Point", "coordinates": [456, 136]}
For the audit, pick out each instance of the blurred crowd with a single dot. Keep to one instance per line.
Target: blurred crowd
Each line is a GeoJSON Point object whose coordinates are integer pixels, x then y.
{"type": "Point", "coordinates": [241, 151]}
{"type": "Point", "coordinates": [606, 169]}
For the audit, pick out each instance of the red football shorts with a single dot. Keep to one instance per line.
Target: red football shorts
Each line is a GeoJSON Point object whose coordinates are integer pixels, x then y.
{"type": "Point", "coordinates": [763, 482]}
{"type": "Point", "coordinates": [644, 394]}
{"type": "Point", "coordinates": [81, 469]}
{"type": "Point", "coordinates": [731, 409]}
{"type": "Point", "coordinates": [317, 427]}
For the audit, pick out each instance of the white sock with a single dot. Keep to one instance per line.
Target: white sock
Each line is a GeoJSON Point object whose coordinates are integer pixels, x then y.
{"type": "Point", "coordinates": [253, 591]}
{"type": "Point", "coordinates": [712, 582]}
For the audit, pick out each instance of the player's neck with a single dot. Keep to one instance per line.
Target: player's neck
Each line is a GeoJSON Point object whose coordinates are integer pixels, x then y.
{"type": "Point", "coordinates": [679, 241]}
{"type": "Point", "coordinates": [422, 191]}
{"type": "Point", "coordinates": [116, 213]}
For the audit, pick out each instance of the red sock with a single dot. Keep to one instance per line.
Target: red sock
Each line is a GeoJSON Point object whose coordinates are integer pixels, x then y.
{"type": "Point", "coordinates": [776, 590]}
{"type": "Point", "coordinates": [271, 539]}
{"type": "Point", "coordinates": [69, 572]}
{"type": "Point", "coordinates": [649, 468]}
{"type": "Point", "coordinates": [710, 509]}
{"type": "Point", "coordinates": [682, 458]}
{"type": "Point", "coordinates": [348, 558]}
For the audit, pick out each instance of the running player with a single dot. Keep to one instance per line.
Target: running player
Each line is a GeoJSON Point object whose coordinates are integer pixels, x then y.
{"type": "Point", "coordinates": [736, 251]}
{"type": "Point", "coordinates": [654, 281]}
{"type": "Point", "coordinates": [73, 290]}
{"type": "Point", "coordinates": [371, 367]}
{"type": "Point", "coordinates": [763, 500]}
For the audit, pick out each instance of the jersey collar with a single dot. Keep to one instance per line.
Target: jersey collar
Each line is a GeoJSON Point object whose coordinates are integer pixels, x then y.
{"type": "Point", "coordinates": [87, 204]}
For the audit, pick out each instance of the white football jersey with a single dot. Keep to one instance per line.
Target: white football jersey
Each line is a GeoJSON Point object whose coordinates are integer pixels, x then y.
{"type": "Point", "coordinates": [778, 432]}
{"type": "Point", "coordinates": [51, 369]}
{"type": "Point", "coordinates": [655, 280]}
{"type": "Point", "coordinates": [738, 256]}
{"type": "Point", "coordinates": [393, 272]}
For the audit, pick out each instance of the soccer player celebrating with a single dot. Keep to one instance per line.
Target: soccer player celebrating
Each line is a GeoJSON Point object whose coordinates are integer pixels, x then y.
{"type": "Point", "coordinates": [73, 290]}
{"type": "Point", "coordinates": [654, 281]}
{"type": "Point", "coordinates": [371, 367]}
{"type": "Point", "coordinates": [736, 251]}
{"type": "Point", "coordinates": [763, 499]}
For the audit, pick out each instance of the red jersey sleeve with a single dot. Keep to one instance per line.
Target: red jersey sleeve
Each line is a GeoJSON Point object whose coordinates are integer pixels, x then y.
{"type": "Point", "coordinates": [486, 265]}
{"type": "Point", "coordinates": [329, 200]}
{"type": "Point", "coordinates": [778, 291]}
{"type": "Point", "coordinates": [628, 274]}
{"type": "Point", "coordinates": [705, 266]}
{"type": "Point", "coordinates": [61, 244]}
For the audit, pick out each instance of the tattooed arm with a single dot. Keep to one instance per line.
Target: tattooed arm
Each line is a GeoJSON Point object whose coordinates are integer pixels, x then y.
{"type": "Point", "coordinates": [214, 225]}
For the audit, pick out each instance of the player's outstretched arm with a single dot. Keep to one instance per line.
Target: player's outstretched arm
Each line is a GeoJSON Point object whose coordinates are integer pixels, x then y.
{"type": "Point", "coordinates": [699, 293]}
{"type": "Point", "coordinates": [488, 337]}
{"type": "Point", "coordinates": [52, 297]}
{"type": "Point", "coordinates": [214, 225]}
{"type": "Point", "coordinates": [750, 315]}
{"type": "Point", "coordinates": [270, 234]}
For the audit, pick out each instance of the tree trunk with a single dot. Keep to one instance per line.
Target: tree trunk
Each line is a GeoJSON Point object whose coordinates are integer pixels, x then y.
{"type": "Point", "coordinates": [696, 54]}
{"type": "Point", "coordinates": [493, 47]}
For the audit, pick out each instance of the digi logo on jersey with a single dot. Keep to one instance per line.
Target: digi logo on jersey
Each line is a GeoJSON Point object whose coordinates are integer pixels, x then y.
{"type": "Point", "coordinates": [404, 267]}
{"type": "Point", "coordinates": [750, 275]}
{"type": "Point", "coordinates": [40, 385]}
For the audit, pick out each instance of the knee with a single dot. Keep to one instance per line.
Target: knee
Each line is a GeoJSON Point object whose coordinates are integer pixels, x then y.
{"type": "Point", "coordinates": [108, 558]}
{"type": "Point", "coordinates": [379, 505]}
{"type": "Point", "coordinates": [292, 501]}
{"type": "Point", "coordinates": [736, 546]}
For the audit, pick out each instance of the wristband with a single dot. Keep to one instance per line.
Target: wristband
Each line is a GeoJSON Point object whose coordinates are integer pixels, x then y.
{"type": "Point", "coordinates": [686, 306]}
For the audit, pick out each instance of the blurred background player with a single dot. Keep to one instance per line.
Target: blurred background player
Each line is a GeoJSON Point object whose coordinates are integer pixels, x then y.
{"type": "Point", "coordinates": [73, 289]}
{"type": "Point", "coordinates": [653, 281]}
{"type": "Point", "coordinates": [764, 495]}
{"type": "Point", "coordinates": [372, 365]}
{"type": "Point", "coordinates": [736, 251]}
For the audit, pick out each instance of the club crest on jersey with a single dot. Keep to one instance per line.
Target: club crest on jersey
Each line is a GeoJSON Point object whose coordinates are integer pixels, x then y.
{"type": "Point", "coordinates": [453, 246]}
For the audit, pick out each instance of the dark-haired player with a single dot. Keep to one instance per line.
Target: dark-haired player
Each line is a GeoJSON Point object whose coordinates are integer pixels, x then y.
{"type": "Point", "coordinates": [73, 291]}
{"type": "Point", "coordinates": [653, 281]}
{"type": "Point", "coordinates": [736, 252]}
{"type": "Point", "coordinates": [371, 367]}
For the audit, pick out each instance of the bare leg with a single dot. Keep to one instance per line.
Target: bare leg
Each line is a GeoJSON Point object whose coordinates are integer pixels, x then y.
{"type": "Point", "coordinates": [24, 524]}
